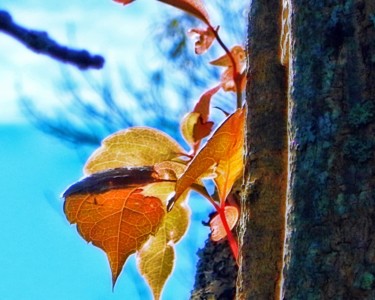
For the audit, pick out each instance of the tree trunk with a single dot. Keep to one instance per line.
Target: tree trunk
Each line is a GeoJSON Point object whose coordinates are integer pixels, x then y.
{"type": "Point", "coordinates": [263, 209]}
{"type": "Point", "coordinates": [330, 251]}
{"type": "Point", "coordinates": [323, 172]}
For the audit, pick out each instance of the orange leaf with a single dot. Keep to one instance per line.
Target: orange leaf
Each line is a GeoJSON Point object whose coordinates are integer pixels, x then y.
{"type": "Point", "coordinates": [216, 224]}
{"type": "Point", "coordinates": [205, 38]}
{"type": "Point", "coordinates": [203, 105]}
{"type": "Point", "coordinates": [194, 7]}
{"type": "Point", "coordinates": [227, 77]}
{"type": "Point", "coordinates": [238, 54]}
{"type": "Point", "coordinates": [223, 153]}
{"type": "Point", "coordinates": [111, 212]}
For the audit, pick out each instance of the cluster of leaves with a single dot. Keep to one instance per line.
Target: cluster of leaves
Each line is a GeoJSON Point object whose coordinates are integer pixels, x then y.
{"type": "Point", "coordinates": [134, 196]}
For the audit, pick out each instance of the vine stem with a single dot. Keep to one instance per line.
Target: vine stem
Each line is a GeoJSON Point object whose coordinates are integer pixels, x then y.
{"type": "Point", "coordinates": [202, 190]}
{"type": "Point", "coordinates": [236, 74]}
{"type": "Point", "coordinates": [232, 241]}
{"type": "Point", "coordinates": [221, 211]}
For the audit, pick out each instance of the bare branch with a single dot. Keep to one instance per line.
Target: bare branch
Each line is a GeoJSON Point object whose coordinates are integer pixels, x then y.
{"type": "Point", "coordinates": [41, 43]}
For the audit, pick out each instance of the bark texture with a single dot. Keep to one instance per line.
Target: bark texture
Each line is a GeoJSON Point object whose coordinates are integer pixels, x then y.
{"type": "Point", "coordinates": [216, 273]}
{"type": "Point", "coordinates": [262, 223]}
{"type": "Point", "coordinates": [330, 250]}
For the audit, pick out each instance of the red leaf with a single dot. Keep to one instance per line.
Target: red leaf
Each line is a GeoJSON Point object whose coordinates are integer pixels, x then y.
{"type": "Point", "coordinates": [203, 105]}
{"type": "Point", "coordinates": [205, 38]}
{"type": "Point", "coordinates": [228, 76]}
{"type": "Point", "coordinates": [195, 125]}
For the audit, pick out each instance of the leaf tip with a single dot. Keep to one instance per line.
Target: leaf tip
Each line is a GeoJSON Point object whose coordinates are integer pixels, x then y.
{"type": "Point", "coordinates": [171, 202]}
{"type": "Point", "coordinates": [124, 2]}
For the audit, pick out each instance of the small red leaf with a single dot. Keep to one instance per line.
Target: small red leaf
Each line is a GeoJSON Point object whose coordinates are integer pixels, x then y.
{"type": "Point", "coordinates": [195, 125]}
{"type": "Point", "coordinates": [233, 73]}
{"type": "Point", "coordinates": [203, 105]}
{"type": "Point", "coordinates": [216, 224]}
{"type": "Point", "coordinates": [205, 38]}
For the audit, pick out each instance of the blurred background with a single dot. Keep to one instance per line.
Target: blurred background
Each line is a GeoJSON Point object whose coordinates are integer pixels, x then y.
{"type": "Point", "coordinates": [52, 116]}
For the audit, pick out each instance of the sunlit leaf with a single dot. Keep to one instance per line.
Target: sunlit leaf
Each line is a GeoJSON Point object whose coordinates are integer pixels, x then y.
{"type": "Point", "coordinates": [133, 147]}
{"type": "Point", "coordinates": [204, 38]}
{"type": "Point", "coordinates": [112, 213]}
{"type": "Point", "coordinates": [223, 153]}
{"type": "Point", "coordinates": [188, 124]}
{"type": "Point", "coordinates": [218, 231]}
{"type": "Point", "coordinates": [119, 208]}
{"type": "Point", "coordinates": [157, 256]}
{"type": "Point", "coordinates": [169, 170]}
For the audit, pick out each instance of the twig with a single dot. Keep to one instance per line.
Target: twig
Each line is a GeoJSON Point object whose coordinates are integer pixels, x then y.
{"type": "Point", "coordinates": [41, 43]}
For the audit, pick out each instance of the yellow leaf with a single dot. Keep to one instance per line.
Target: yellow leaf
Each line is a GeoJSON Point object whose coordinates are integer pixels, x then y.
{"type": "Point", "coordinates": [223, 152]}
{"type": "Point", "coordinates": [133, 147]}
{"type": "Point", "coordinates": [169, 170]}
{"type": "Point", "coordinates": [188, 125]}
{"type": "Point", "coordinates": [156, 258]}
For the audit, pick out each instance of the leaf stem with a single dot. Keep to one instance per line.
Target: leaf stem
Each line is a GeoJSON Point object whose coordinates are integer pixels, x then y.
{"type": "Point", "coordinates": [202, 190]}
{"type": "Point", "coordinates": [236, 74]}
{"type": "Point", "coordinates": [221, 211]}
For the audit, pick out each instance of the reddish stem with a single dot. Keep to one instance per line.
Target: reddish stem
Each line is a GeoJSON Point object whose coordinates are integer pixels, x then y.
{"type": "Point", "coordinates": [236, 74]}
{"type": "Point", "coordinates": [221, 210]}
{"type": "Point", "coordinates": [204, 193]}
{"type": "Point", "coordinates": [232, 241]}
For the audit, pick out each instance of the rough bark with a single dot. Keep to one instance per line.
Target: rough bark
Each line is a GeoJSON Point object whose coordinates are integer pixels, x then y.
{"type": "Point", "coordinates": [330, 243]}
{"type": "Point", "coordinates": [262, 221]}
{"type": "Point", "coordinates": [330, 252]}
{"type": "Point", "coordinates": [216, 273]}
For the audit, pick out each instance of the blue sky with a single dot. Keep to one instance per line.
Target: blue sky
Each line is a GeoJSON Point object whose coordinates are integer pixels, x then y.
{"type": "Point", "coordinates": [41, 255]}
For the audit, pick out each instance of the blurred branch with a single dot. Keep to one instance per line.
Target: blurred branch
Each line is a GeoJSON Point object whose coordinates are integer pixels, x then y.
{"type": "Point", "coordinates": [41, 43]}
{"type": "Point", "coordinates": [170, 80]}
{"type": "Point", "coordinates": [82, 119]}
